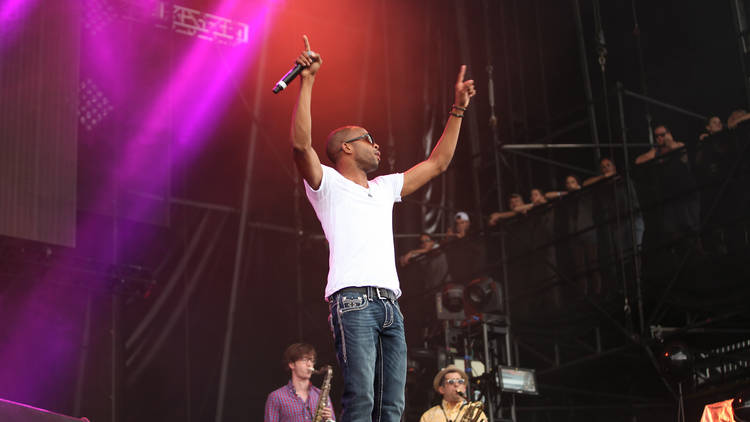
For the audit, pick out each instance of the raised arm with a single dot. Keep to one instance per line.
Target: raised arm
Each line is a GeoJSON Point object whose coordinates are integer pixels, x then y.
{"type": "Point", "coordinates": [555, 194]}
{"type": "Point", "coordinates": [646, 156]}
{"type": "Point", "coordinates": [442, 154]}
{"type": "Point", "coordinates": [305, 158]}
{"type": "Point", "coordinates": [593, 179]}
{"type": "Point", "coordinates": [497, 216]}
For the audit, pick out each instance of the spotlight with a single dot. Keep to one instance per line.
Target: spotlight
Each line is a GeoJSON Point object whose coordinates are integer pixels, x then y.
{"type": "Point", "coordinates": [518, 380]}
{"type": "Point", "coordinates": [450, 302]}
{"type": "Point", "coordinates": [677, 361]}
{"type": "Point", "coordinates": [485, 295]}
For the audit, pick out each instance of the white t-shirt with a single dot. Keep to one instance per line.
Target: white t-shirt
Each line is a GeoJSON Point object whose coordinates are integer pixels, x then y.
{"type": "Point", "coordinates": [357, 222]}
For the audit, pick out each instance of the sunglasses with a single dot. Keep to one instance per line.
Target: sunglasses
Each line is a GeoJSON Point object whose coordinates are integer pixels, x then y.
{"type": "Point", "coordinates": [366, 136]}
{"type": "Point", "coordinates": [454, 381]}
{"type": "Point", "coordinates": [659, 135]}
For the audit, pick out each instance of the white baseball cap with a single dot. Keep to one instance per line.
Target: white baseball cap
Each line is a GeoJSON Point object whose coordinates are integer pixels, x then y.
{"type": "Point", "coordinates": [462, 216]}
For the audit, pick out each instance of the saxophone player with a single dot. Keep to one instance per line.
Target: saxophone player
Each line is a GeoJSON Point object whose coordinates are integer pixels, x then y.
{"type": "Point", "coordinates": [450, 383]}
{"type": "Point", "coordinates": [297, 401]}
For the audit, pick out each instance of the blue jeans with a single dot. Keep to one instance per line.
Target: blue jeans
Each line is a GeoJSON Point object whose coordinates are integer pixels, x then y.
{"type": "Point", "coordinates": [371, 349]}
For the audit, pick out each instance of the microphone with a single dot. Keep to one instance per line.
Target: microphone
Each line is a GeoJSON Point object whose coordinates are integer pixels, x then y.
{"type": "Point", "coordinates": [288, 78]}
{"type": "Point", "coordinates": [293, 72]}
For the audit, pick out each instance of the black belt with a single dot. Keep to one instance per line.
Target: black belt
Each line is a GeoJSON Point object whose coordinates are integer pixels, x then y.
{"type": "Point", "coordinates": [371, 292]}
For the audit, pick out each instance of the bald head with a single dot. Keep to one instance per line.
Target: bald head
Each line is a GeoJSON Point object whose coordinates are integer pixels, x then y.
{"type": "Point", "coordinates": [338, 137]}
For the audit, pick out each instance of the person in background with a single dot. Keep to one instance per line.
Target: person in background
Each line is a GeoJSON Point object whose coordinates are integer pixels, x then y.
{"type": "Point", "coordinates": [465, 253]}
{"type": "Point", "coordinates": [737, 117]}
{"type": "Point", "coordinates": [426, 244]}
{"type": "Point", "coordinates": [516, 206]}
{"type": "Point", "coordinates": [664, 143]}
{"type": "Point", "coordinates": [610, 205]}
{"type": "Point", "coordinates": [606, 169]}
{"type": "Point", "coordinates": [541, 235]}
{"type": "Point", "coordinates": [450, 383]}
{"type": "Point", "coordinates": [537, 197]}
{"type": "Point", "coordinates": [713, 125]}
{"type": "Point", "coordinates": [297, 401]}
{"type": "Point", "coordinates": [460, 227]}
{"type": "Point", "coordinates": [572, 184]}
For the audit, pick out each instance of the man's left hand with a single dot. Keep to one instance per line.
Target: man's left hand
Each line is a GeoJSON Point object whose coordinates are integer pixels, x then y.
{"type": "Point", "coordinates": [464, 89]}
{"type": "Point", "coordinates": [326, 413]}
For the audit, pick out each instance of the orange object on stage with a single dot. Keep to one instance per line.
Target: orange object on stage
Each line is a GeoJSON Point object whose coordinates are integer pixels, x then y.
{"type": "Point", "coordinates": [718, 412]}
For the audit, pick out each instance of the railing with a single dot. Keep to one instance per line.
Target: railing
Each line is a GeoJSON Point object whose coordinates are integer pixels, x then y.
{"type": "Point", "coordinates": [690, 202]}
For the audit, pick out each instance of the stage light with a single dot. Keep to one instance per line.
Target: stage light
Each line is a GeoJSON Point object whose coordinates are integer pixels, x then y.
{"type": "Point", "coordinates": [449, 303]}
{"type": "Point", "coordinates": [484, 295]}
{"type": "Point", "coordinates": [677, 361]}
{"type": "Point", "coordinates": [476, 367]}
{"type": "Point", "coordinates": [518, 380]}
{"type": "Point", "coordinates": [453, 297]}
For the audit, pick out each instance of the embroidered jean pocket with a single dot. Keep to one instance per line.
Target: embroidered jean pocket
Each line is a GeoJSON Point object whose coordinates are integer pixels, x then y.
{"type": "Point", "coordinates": [351, 302]}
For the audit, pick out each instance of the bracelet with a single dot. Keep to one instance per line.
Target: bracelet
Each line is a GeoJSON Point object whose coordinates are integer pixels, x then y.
{"type": "Point", "coordinates": [458, 107]}
{"type": "Point", "coordinates": [456, 114]}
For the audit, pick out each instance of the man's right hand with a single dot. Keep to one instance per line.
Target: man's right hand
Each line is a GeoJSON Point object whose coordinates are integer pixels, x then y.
{"type": "Point", "coordinates": [305, 158]}
{"type": "Point", "coordinates": [310, 60]}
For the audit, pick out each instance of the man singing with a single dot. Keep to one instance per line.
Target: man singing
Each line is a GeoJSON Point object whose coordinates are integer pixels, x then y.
{"type": "Point", "coordinates": [356, 216]}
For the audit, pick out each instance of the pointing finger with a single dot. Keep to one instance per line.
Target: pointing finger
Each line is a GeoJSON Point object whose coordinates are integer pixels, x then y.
{"type": "Point", "coordinates": [307, 42]}
{"type": "Point", "coordinates": [461, 74]}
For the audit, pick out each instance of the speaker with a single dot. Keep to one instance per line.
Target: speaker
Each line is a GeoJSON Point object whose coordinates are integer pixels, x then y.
{"type": "Point", "coordinates": [17, 412]}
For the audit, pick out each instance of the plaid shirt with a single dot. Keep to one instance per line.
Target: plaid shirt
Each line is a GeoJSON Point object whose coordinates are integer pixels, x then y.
{"type": "Point", "coordinates": [284, 405]}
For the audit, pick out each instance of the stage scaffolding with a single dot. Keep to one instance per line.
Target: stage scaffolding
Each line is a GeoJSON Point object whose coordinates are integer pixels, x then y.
{"type": "Point", "coordinates": [630, 317]}
{"type": "Point", "coordinates": [634, 316]}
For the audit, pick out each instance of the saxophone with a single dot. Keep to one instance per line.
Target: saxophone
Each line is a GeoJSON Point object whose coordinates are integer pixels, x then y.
{"type": "Point", "coordinates": [472, 411]}
{"type": "Point", "coordinates": [325, 388]}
